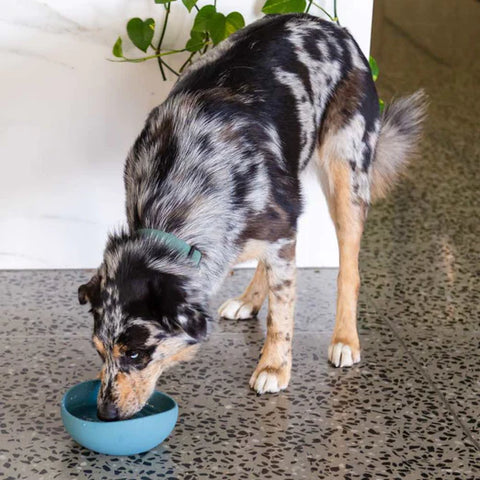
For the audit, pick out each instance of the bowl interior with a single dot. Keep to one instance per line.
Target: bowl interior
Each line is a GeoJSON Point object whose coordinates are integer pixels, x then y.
{"type": "Point", "coordinates": [81, 402]}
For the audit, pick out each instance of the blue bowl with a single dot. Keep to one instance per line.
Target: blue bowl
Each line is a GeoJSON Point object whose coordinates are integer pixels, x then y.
{"type": "Point", "coordinates": [145, 430]}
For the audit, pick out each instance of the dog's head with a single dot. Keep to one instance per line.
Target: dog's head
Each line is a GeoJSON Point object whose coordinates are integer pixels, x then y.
{"type": "Point", "coordinates": [145, 320]}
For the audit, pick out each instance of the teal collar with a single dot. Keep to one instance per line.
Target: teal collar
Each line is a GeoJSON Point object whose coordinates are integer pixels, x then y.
{"type": "Point", "coordinates": [174, 242]}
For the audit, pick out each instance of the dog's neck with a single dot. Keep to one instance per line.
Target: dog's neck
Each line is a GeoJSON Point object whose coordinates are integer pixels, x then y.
{"type": "Point", "coordinates": [177, 181]}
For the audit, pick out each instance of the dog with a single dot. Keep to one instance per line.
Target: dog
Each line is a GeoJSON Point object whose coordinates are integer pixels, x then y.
{"type": "Point", "coordinates": [213, 180]}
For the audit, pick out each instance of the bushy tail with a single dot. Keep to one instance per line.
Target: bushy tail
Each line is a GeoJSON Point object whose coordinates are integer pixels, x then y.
{"type": "Point", "coordinates": [400, 133]}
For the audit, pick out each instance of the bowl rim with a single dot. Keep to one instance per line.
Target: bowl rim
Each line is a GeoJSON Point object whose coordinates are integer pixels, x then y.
{"type": "Point", "coordinates": [114, 424]}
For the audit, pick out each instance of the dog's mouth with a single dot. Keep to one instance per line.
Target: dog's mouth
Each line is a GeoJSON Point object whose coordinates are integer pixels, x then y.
{"type": "Point", "coordinates": [126, 395]}
{"type": "Point", "coordinates": [109, 412]}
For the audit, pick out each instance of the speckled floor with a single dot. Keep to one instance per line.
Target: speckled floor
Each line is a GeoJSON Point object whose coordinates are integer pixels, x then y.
{"type": "Point", "coordinates": [410, 410]}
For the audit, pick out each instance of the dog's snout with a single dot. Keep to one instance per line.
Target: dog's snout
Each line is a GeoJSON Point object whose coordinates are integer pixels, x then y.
{"type": "Point", "coordinates": [107, 412]}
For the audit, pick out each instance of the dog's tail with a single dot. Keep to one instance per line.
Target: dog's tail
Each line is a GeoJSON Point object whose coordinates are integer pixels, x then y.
{"type": "Point", "coordinates": [401, 127]}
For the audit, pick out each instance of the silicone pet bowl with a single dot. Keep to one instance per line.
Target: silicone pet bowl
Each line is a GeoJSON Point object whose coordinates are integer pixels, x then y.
{"type": "Point", "coordinates": [145, 430]}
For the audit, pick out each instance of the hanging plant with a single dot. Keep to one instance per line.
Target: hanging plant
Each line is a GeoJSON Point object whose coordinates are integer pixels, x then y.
{"type": "Point", "coordinates": [210, 27]}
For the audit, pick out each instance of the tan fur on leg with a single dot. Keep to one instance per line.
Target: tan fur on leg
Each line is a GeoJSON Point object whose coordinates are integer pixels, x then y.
{"type": "Point", "coordinates": [251, 301]}
{"type": "Point", "coordinates": [348, 216]}
{"type": "Point", "coordinates": [273, 371]}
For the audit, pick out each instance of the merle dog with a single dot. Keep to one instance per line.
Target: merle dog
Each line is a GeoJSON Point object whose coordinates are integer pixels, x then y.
{"type": "Point", "coordinates": [213, 179]}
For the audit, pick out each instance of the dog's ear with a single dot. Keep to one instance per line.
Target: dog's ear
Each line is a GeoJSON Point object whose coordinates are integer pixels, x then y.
{"type": "Point", "coordinates": [193, 320]}
{"type": "Point", "coordinates": [162, 297]}
{"type": "Point", "coordinates": [90, 292]}
{"type": "Point", "coordinates": [148, 294]}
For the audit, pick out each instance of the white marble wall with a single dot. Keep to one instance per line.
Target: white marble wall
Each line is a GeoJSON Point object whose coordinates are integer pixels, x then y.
{"type": "Point", "coordinates": [68, 118]}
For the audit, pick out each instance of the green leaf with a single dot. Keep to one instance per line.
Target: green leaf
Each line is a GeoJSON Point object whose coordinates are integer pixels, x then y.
{"type": "Point", "coordinates": [284, 6]}
{"type": "Point", "coordinates": [373, 68]}
{"type": "Point", "coordinates": [196, 42]}
{"type": "Point", "coordinates": [220, 26]}
{"type": "Point", "coordinates": [141, 32]}
{"type": "Point", "coordinates": [381, 103]}
{"type": "Point", "coordinates": [202, 18]}
{"type": "Point", "coordinates": [117, 49]}
{"type": "Point", "coordinates": [189, 4]}
{"type": "Point", "coordinates": [234, 22]}
{"type": "Point", "coordinates": [217, 27]}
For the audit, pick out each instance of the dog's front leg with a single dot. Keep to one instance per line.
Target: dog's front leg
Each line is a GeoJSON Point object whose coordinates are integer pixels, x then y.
{"type": "Point", "coordinates": [273, 371]}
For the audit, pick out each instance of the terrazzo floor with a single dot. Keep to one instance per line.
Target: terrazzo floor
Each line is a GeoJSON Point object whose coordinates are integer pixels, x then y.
{"type": "Point", "coordinates": [409, 410]}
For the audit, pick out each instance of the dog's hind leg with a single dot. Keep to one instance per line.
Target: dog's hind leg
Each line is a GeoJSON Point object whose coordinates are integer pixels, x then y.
{"type": "Point", "coordinates": [348, 214]}
{"type": "Point", "coordinates": [343, 171]}
{"type": "Point", "coordinates": [250, 302]}
{"type": "Point", "coordinates": [274, 367]}
{"type": "Point", "coordinates": [346, 147]}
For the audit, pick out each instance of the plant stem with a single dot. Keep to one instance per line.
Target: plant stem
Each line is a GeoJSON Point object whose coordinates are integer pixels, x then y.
{"type": "Point", "coordinates": [309, 5]}
{"type": "Point", "coordinates": [162, 35]}
{"type": "Point", "coordinates": [160, 41]}
{"type": "Point", "coordinates": [324, 11]}
{"type": "Point", "coordinates": [335, 10]}
{"type": "Point", "coordinates": [160, 66]}
{"type": "Point", "coordinates": [144, 59]}
{"type": "Point", "coordinates": [187, 61]}
{"type": "Point", "coordinates": [168, 67]}
{"type": "Point", "coordinates": [207, 38]}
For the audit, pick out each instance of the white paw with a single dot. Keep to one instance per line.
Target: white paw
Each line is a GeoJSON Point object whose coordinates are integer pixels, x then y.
{"type": "Point", "coordinates": [266, 382]}
{"type": "Point", "coordinates": [236, 309]}
{"type": "Point", "coordinates": [342, 356]}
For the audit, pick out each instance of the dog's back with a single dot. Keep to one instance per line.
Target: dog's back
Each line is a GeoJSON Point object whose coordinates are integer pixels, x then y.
{"type": "Point", "coordinates": [226, 147]}
{"type": "Point", "coordinates": [246, 116]}
{"type": "Point", "coordinates": [280, 71]}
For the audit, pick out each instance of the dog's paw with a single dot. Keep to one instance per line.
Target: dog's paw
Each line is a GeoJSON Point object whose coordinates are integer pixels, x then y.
{"type": "Point", "coordinates": [342, 355]}
{"type": "Point", "coordinates": [237, 309]}
{"type": "Point", "coordinates": [269, 380]}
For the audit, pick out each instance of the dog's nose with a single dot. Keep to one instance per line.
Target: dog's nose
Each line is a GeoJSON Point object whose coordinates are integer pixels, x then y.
{"type": "Point", "coordinates": [107, 412]}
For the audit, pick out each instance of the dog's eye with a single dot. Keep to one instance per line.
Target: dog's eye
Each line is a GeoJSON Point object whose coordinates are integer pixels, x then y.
{"type": "Point", "coordinates": [132, 354]}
